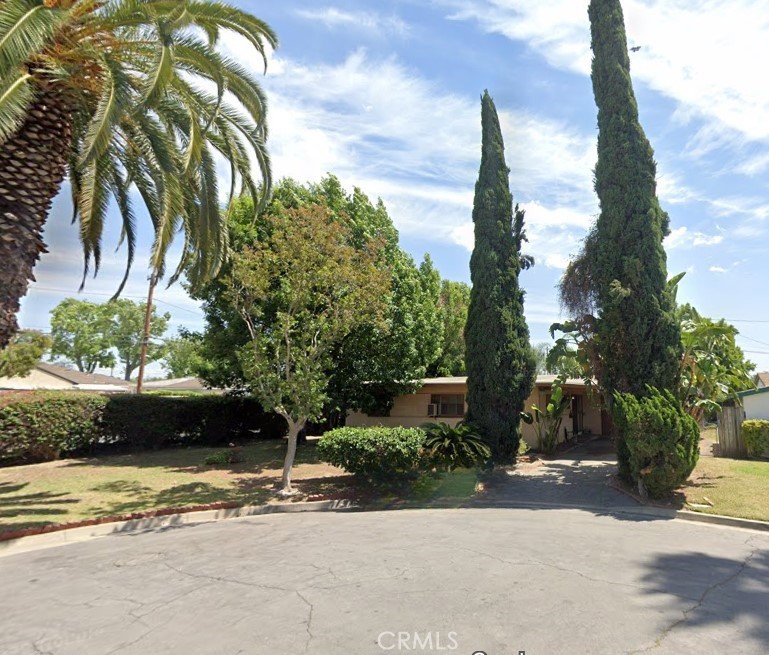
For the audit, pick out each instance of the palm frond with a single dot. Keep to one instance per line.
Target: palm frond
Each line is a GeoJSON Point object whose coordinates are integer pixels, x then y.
{"type": "Point", "coordinates": [114, 98]}
{"type": "Point", "coordinates": [93, 202]}
{"type": "Point", "coordinates": [218, 15]}
{"type": "Point", "coordinates": [16, 96]}
{"type": "Point", "coordinates": [26, 26]}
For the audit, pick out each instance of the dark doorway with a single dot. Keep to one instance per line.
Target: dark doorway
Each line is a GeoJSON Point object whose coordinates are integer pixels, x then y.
{"type": "Point", "coordinates": [576, 414]}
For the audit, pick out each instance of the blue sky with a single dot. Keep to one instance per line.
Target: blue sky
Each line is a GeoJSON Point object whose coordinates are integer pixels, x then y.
{"type": "Point", "coordinates": [386, 95]}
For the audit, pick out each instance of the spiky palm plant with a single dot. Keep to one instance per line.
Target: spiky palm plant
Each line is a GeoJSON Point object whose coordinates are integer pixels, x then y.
{"type": "Point", "coordinates": [117, 95]}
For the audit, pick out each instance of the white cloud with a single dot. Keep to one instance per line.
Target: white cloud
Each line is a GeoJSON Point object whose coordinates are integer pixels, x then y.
{"type": "Point", "coordinates": [369, 21]}
{"type": "Point", "coordinates": [681, 237]}
{"type": "Point", "coordinates": [379, 125]}
{"type": "Point", "coordinates": [700, 53]}
{"type": "Point", "coordinates": [718, 269]}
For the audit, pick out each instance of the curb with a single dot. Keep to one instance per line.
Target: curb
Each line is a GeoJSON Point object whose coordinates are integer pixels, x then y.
{"type": "Point", "coordinates": [136, 526]}
{"type": "Point", "coordinates": [719, 519]}
{"type": "Point", "coordinates": [697, 517]}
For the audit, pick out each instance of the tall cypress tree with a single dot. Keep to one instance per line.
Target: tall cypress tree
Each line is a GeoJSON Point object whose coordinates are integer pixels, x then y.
{"type": "Point", "coordinates": [618, 283]}
{"type": "Point", "coordinates": [500, 365]}
{"type": "Point", "coordinates": [637, 333]}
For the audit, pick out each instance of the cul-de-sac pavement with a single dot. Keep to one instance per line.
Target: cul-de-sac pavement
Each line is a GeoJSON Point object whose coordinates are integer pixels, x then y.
{"type": "Point", "coordinates": [497, 580]}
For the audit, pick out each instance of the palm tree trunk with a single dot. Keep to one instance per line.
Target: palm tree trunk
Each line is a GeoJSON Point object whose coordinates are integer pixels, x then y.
{"type": "Point", "coordinates": [32, 166]}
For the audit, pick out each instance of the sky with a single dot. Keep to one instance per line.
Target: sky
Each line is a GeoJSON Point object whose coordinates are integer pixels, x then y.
{"type": "Point", "coordinates": [385, 94]}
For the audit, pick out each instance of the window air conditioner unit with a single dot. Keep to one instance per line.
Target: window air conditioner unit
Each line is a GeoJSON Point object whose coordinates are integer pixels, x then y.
{"type": "Point", "coordinates": [432, 409]}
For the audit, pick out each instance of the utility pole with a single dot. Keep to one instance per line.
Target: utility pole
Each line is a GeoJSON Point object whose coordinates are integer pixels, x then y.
{"type": "Point", "coordinates": [146, 334]}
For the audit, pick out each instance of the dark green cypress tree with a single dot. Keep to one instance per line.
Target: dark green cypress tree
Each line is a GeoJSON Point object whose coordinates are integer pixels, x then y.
{"type": "Point", "coordinates": [500, 365]}
{"type": "Point", "coordinates": [636, 332]}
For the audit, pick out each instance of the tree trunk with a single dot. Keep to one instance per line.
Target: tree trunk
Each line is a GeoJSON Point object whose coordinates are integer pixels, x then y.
{"type": "Point", "coordinates": [32, 166]}
{"type": "Point", "coordinates": [294, 427]}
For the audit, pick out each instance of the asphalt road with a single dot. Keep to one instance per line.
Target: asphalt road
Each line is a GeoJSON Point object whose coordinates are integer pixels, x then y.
{"type": "Point", "coordinates": [426, 581]}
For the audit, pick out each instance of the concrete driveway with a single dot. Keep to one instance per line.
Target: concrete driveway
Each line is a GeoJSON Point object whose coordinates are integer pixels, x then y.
{"type": "Point", "coordinates": [496, 580]}
{"type": "Point", "coordinates": [578, 478]}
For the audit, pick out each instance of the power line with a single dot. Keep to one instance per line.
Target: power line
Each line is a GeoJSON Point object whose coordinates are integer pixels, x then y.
{"type": "Point", "coordinates": [763, 343]}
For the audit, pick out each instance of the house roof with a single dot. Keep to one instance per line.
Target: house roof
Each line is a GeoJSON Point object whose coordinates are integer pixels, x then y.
{"type": "Point", "coordinates": [753, 392]}
{"type": "Point", "coordinates": [541, 380]}
{"type": "Point", "coordinates": [80, 379]}
{"type": "Point", "coordinates": [762, 379]}
{"type": "Point", "coordinates": [177, 384]}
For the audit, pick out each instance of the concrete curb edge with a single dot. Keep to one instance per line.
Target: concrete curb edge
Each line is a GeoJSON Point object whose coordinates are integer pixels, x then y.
{"type": "Point", "coordinates": [135, 526]}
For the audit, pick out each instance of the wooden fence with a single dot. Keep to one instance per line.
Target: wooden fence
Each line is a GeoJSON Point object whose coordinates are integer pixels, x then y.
{"type": "Point", "coordinates": [730, 441]}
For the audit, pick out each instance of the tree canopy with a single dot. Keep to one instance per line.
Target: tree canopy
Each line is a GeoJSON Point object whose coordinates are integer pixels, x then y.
{"type": "Point", "coordinates": [92, 335]}
{"type": "Point", "coordinates": [25, 350]}
{"type": "Point", "coordinates": [300, 291]}
{"type": "Point", "coordinates": [374, 362]}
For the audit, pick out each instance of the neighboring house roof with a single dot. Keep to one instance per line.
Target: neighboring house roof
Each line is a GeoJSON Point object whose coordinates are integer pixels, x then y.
{"type": "Point", "coordinates": [753, 392]}
{"type": "Point", "coordinates": [761, 379]}
{"type": "Point", "coordinates": [53, 376]}
{"type": "Point", "coordinates": [541, 380]}
{"type": "Point", "coordinates": [79, 378]}
{"type": "Point", "coordinates": [177, 384]}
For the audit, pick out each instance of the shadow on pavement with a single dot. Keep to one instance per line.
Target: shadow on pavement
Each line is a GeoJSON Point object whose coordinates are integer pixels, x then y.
{"type": "Point", "coordinates": [717, 591]}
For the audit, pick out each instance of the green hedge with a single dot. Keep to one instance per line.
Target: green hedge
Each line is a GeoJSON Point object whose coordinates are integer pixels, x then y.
{"type": "Point", "coordinates": [376, 454]}
{"type": "Point", "coordinates": [662, 440]}
{"type": "Point", "coordinates": [41, 426]}
{"type": "Point", "coordinates": [756, 436]}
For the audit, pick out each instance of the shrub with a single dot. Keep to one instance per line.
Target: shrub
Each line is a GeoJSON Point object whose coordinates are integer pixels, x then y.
{"type": "Point", "coordinates": [451, 447]}
{"type": "Point", "coordinates": [225, 457]}
{"type": "Point", "coordinates": [376, 454]}
{"type": "Point", "coordinates": [661, 439]}
{"type": "Point", "coordinates": [41, 426]}
{"type": "Point", "coordinates": [756, 436]}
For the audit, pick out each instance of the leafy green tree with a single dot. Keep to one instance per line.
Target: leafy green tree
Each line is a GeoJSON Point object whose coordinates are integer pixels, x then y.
{"type": "Point", "coordinates": [25, 350]}
{"type": "Point", "coordinates": [90, 335]}
{"type": "Point", "coordinates": [375, 361]}
{"type": "Point", "coordinates": [115, 95]}
{"type": "Point", "coordinates": [300, 291]}
{"type": "Point", "coordinates": [713, 368]}
{"type": "Point", "coordinates": [82, 334]}
{"type": "Point", "coordinates": [616, 288]}
{"type": "Point", "coordinates": [500, 366]}
{"type": "Point", "coordinates": [126, 333]}
{"type": "Point", "coordinates": [182, 357]}
{"type": "Point", "coordinates": [453, 304]}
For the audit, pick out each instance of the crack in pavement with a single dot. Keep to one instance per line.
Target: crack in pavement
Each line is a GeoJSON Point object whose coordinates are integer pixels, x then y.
{"type": "Point", "coordinates": [700, 601]}
{"type": "Point", "coordinates": [534, 562]}
{"type": "Point", "coordinates": [308, 623]}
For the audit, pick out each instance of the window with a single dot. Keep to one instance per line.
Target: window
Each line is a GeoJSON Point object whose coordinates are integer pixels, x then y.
{"type": "Point", "coordinates": [451, 405]}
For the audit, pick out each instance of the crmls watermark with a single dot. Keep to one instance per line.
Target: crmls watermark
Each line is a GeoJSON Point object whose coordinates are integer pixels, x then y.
{"type": "Point", "coordinates": [418, 641]}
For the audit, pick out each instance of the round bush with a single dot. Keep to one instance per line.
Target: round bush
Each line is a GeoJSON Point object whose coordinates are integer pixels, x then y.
{"type": "Point", "coordinates": [662, 440]}
{"type": "Point", "coordinates": [376, 454]}
{"type": "Point", "coordinates": [756, 436]}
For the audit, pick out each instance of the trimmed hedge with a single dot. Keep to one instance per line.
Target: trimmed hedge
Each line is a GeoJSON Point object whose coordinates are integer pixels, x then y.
{"type": "Point", "coordinates": [662, 440]}
{"type": "Point", "coordinates": [376, 454]}
{"type": "Point", "coordinates": [41, 426]}
{"type": "Point", "coordinates": [756, 436]}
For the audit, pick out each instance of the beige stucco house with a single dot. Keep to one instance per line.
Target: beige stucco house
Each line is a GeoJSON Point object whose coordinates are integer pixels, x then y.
{"type": "Point", "coordinates": [444, 400]}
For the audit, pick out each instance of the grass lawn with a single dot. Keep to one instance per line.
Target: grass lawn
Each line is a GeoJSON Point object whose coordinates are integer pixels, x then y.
{"type": "Point", "coordinates": [75, 489]}
{"type": "Point", "coordinates": [734, 487]}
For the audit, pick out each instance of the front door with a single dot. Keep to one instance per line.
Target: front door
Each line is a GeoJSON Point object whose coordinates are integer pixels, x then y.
{"type": "Point", "coordinates": [576, 414]}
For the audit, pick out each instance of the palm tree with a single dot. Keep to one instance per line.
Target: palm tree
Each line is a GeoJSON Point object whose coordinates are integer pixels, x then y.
{"type": "Point", "coordinates": [120, 95]}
